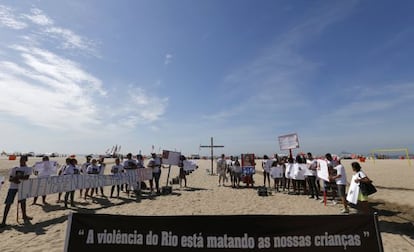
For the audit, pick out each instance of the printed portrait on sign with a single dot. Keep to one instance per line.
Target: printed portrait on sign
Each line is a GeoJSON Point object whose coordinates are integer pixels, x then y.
{"type": "Point", "coordinates": [248, 160]}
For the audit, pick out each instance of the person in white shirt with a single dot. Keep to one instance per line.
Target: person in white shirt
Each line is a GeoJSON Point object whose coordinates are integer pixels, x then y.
{"type": "Point", "coordinates": [230, 170]}
{"type": "Point", "coordinates": [17, 175]}
{"type": "Point", "coordinates": [266, 165]}
{"type": "Point", "coordinates": [60, 173]}
{"type": "Point", "coordinates": [340, 179]}
{"type": "Point", "coordinates": [93, 168]}
{"type": "Point", "coordinates": [361, 177]}
{"type": "Point", "coordinates": [221, 170]}
{"type": "Point", "coordinates": [311, 177]}
{"type": "Point", "coordinates": [155, 164]}
{"type": "Point", "coordinates": [47, 168]}
{"type": "Point", "coordinates": [130, 167]}
{"type": "Point", "coordinates": [116, 169]}
{"type": "Point", "coordinates": [331, 185]}
{"type": "Point", "coordinates": [71, 169]}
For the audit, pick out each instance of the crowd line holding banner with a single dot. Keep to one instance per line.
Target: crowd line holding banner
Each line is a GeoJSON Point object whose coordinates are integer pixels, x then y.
{"type": "Point", "coordinates": [47, 182]}
{"type": "Point", "coordinates": [34, 187]}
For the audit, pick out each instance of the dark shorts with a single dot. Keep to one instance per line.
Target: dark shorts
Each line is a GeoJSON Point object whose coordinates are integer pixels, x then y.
{"type": "Point", "coordinates": [341, 190]}
{"type": "Point", "coordinates": [156, 175]}
{"type": "Point", "coordinates": [11, 194]}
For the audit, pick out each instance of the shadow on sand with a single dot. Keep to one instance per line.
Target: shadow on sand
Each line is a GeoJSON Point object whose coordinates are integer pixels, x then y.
{"type": "Point", "coordinates": [394, 218]}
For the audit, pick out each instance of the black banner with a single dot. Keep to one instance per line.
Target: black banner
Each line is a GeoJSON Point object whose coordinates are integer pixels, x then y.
{"type": "Point", "coordinates": [98, 232]}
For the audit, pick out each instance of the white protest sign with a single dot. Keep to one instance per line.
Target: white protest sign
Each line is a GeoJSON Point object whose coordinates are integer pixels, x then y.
{"type": "Point", "coordinates": [1, 181]}
{"type": "Point", "coordinates": [189, 165]}
{"type": "Point", "coordinates": [170, 157]}
{"type": "Point", "coordinates": [298, 171]}
{"type": "Point", "coordinates": [267, 165]}
{"type": "Point", "coordinates": [45, 168]}
{"type": "Point", "coordinates": [289, 141]}
{"type": "Point", "coordinates": [289, 170]}
{"type": "Point", "coordinates": [308, 172]}
{"type": "Point", "coordinates": [322, 170]}
{"type": "Point", "coordinates": [353, 191]}
{"type": "Point", "coordinates": [276, 172]}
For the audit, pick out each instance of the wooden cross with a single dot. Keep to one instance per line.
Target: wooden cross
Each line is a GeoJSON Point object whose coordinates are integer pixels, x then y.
{"type": "Point", "coordinates": [211, 146]}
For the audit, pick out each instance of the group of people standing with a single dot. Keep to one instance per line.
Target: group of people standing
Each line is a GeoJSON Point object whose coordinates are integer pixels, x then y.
{"type": "Point", "coordinates": [335, 185]}
{"type": "Point", "coordinates": [71, 167]}
{"type": "Point", "coordinates": [231, 167]}
{"type": "Point", "coordinates": [310, 185]}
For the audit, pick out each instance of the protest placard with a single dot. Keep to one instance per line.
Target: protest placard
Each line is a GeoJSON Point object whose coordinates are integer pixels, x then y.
{"type": "Point", "coordinates": [247, 160]}
{"type": "Point", "coordinates": [276, 172]}
{"type": "Point", "coordinates": [322, 171]}
{"type": "Point", "coordinates": [290, 141]}
{"type": "Point", "coordinates": [45, 168]}
{"type": "Point", "coordinates": [353, 191]}
{"type": "Point", "coordinates": [289, 170]}
{"type": "Point", "coordinates": [170, 157]}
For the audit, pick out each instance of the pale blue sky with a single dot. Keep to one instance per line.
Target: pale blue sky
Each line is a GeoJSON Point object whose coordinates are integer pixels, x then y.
{"type": "Point", "coordinates": [82, 76]}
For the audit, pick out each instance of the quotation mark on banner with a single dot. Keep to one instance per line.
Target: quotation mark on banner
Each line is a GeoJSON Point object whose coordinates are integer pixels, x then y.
{"type": "Point", "coordinates": [81, 232]}
{"type": "Point", "coordinates": [366, 233]}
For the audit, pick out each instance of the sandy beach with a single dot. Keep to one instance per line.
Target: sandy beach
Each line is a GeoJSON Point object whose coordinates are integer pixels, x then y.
{"type": "Point", "coordinates": [394, 203]}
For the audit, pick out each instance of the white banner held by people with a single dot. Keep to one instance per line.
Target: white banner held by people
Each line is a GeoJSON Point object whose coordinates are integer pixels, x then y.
{"type": "Point", "coordinates": [170, 157]}
{"type": "Point", "coordinates": [144, 174]}
{"type": "Point", "coordinates": [55, 184]}
{"type": "Point", "coordinates": [298, 171]}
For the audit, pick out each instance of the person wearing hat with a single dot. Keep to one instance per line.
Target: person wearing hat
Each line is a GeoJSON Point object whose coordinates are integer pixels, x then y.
{"type": "Point", "coordinates": [17, 175]}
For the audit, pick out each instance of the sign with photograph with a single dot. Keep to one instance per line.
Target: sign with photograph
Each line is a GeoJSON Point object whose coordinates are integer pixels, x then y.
{"type": "Point", "coordinates": [170, 157]}
{"type": "Point", "coordinates": [45, 168]}
{"type": "Point", "coordinates": [298, 171]}
{"type": "Point", "coordinates": [294, 233]}
{"type": "Point", "coordinates": [248, 164]}
{"type": "Point", "coordinates": [290, 141]}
